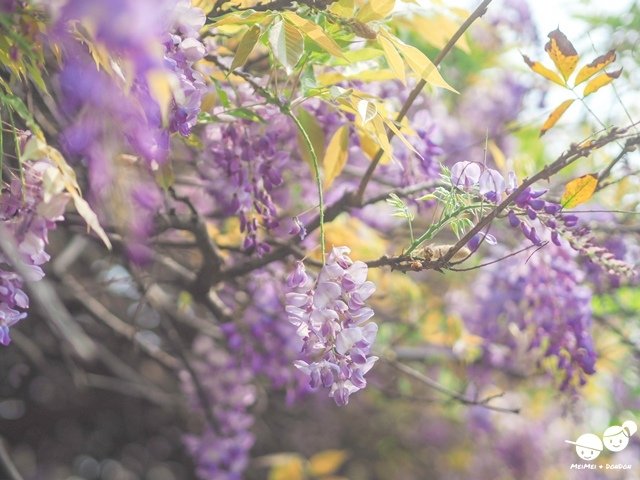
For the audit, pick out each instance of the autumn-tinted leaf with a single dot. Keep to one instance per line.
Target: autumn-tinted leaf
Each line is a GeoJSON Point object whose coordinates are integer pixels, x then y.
{"type": "Point", "coordinates": [562, 52]}
{"type": "Point", "coordinates": [579, 191]}
{"type": "Point", "coordinates": [315, 33]}
{"type": "Point", "coordinates": [600, 81]}
{"type": "Point", "coordinates": [540, 69]}
{"type": "Point", "coordinates": [420, 64]}
{"type": "Point", "coordinates": [555, 116]}
{"type": "Point", "coordinates": [393, 58]}
{"type": "Point", "coordinates": [246, 46]}
{"type": "Point", "coordinates": [375, 10]}
{"type": "Point", "coordinates": [336, 155]}
{"type": "Point", "coordinates": [326, 462]}
{"type": "Point", "coordinates": [586, 72]}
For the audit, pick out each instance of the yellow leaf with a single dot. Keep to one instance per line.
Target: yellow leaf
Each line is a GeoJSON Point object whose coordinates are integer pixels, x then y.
{"type": "Point", "coordinates": [246, 46]}
{"type": "Point", "coordinates": [287, 44]}
{"type": "Point", "coordinates": [401, 137]}
{"type": "Point", "coordinates": [243, 18]}
{"type": "Point", "coordinates": [579, 190]}
{"type": "Point", "coordinates": [438, 30]}
{"type": "Point", "coordinates": [326, 462]}
{"type": "Point", "coordinates": [370, 147]}
{"type": "Point", "coordinates": [555, 116]}
{"type": "Point", "coordinates": [600, 81]}
{"type": "Point", "coordinates": [540, 69]}
{"type": "Point", "coordinates": [342, 8]}
{"type": "Point", "coordinates": [562, 52]}
{"type": "Point", "coordinates": [589, 70]}
{"type": "Point", "coordinates": [291, 469]}
{"type": "Point", "coordinates": [205, 5]}
{"type": "Point", "coordinates": [160, 88]}
{"type": "Point", "coordinates": [393, 58]}
{"type": "Point", "coordinates": [375, 10]}
{"type": "Point", "coordinates": [381, 136]}
{"type": "Point", "coordinates": [336, 155]}
{"type": "Point", "coordinates": [420, 64]}
{"type": "Point", "coordinates": [315, 33]}
{"type": "Point", "coordinates": [498, 156]}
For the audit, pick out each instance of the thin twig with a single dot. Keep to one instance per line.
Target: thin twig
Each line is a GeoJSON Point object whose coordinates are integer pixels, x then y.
{"type": "Point", "coordinates": [417, 375]}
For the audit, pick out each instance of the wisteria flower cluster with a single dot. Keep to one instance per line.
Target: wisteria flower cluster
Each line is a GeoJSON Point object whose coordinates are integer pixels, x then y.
{"type": "Point", "coordinates": [28, 213]}
{"type": "Point", "coordinates": [243, 165]}
{"type": "Point", "coordinates": [543, 303]}
{"type": "Point", "coordinates": [264, 341]}
{"type": "Point", "coordinates": [221, 450]}
{"type": "Point", "coordinates": [332, 318]}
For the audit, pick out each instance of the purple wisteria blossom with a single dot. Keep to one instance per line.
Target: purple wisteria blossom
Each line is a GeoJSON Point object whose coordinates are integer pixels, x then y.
{"type": "Point", "coordinates": [243, 164]}
{"type": "Point", "coordinates": [263, 340]}
{"type": "Point", "coordinates": [540, 306]}
{"type": "Point", "coordinates": [333, 320]}
{"type": "Point", "coordinates": [220, 451]}
{"type": "Point", "coordinates": [27, 213]}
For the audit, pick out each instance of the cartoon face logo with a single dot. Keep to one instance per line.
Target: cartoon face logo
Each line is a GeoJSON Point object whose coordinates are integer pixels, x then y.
{"type": "Point", "coordinates": [588, 446]}
{"type": "Point", "coordinates": [616, 437]}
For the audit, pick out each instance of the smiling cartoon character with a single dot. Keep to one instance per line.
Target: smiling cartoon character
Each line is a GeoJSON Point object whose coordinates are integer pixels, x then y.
{"type": "Point", "coordinates": [616, 437]}
{"type": "Point", "coordinates": [588, 446]}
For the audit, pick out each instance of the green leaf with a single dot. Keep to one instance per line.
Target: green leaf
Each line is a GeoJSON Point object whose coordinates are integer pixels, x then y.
{"type": "Point", "coordinates": [336, 155]}
{"type": "Point", "coordinates": [287, 44]}
{"type": "Point", "coordinates": [246, 46]}
{"type": "Point", "coordinates": [18, 106]}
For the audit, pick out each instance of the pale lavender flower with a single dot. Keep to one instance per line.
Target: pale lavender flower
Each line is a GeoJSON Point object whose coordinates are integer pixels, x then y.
{"type": "Point", "coordinates": [332, 318]}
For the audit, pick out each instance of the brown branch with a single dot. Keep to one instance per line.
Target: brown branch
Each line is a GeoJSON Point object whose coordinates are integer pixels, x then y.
{"type": "Point", "coordinates": [476, 14]}
{"type": "Point", "coordinates": [422, 378]}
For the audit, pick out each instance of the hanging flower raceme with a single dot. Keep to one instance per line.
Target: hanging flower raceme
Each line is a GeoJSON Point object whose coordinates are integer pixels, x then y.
{"type": "Point", "coordinates": [221, 450]}
{"type": "Point", "coordinates": [332, 318]}
{"type": "Point", "coordinates": [540, 305]}
{"type": "Point", "coordinates": [27, 212]}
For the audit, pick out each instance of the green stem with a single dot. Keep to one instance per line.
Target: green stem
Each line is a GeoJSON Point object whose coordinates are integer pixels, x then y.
{"type": "Point", "coordinates": [316, 171]}
{"type": "Point", "coordinates": [435, 228]}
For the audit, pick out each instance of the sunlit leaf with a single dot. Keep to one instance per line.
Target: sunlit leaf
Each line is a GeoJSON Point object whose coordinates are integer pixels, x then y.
{"type": "Point", "coordinates": [326, 462]}
{"type": "Point", "coordinates": [579, 190]}
{"type": "Point", "coordinates": [438, 30]}
{"type": "Point", "coordinates": [336, 155]}
{"type": "Point", "coordinates": [37, 149]}
{"type": "Point", "coordinates": [315, 33]}
{"type": "Point", "coordinates": [555, 116]}
{"type": "Point", "coordinates": [291, 468]}
{"type": "Point", "coordinates": [600, 81]}
{"type": "Point", "coordinates": [160, 88]}
{"type": "Point", "coordinates": [343, 8]}
{"type": "Point", "coordinates": [248, 17]}
{"type": "Point", "coordinates": [589, 70]}
{"type": "Point", "coordinates": [420, 64]}
{"type": "Point", "coordinates": [393, 58]}
{"type": "Point", "coordinates": [287, 44]}
{"type": "Point", "coordinates": [375, 10]}
{"type": "Point", "coordinates": [367, 111]}
{"type": "Point", "coordinates": [562, 52]}
{"type": "Point", "coordinates": [246, 46]}
{"type": "Point", "coordinates": [540, 69]}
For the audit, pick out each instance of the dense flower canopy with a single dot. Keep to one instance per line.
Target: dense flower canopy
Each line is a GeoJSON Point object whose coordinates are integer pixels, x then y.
{"type": "Point", "coordinates": [227, 224]}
